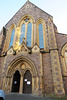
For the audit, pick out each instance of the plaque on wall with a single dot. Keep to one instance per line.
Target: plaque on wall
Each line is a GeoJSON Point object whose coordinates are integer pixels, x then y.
{"type": "Point", "coordinates": [28, 82]}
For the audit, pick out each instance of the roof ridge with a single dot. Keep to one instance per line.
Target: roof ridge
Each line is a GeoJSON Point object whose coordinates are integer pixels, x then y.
{"type": "Point", "coordinates": [41, 9]}
{"type": "Point", "coordinates": [23, 6]}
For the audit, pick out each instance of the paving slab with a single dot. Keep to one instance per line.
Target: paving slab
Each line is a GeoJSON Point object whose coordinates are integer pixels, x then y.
{"type": "Point", "coordinates": [25, 97]}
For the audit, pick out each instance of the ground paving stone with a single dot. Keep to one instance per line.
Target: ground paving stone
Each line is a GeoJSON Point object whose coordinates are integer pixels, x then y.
{"type": "Point", "coordinates": [24, 97]}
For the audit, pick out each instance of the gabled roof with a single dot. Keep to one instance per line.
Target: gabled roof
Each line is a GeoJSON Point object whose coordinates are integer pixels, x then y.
{"type": "Point", "coordinates": [40, 9]}
{"type": "Point", "coordinates": [22, 9]}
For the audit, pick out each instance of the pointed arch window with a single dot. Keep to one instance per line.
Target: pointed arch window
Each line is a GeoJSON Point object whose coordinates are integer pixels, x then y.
{"type": "Point", "coordinates": [22, 33]}
{"type": "Point", "coordinates": [12, 38]}
{"type": "Point", "coordinates": [66, 57]}
{"type": "Point", "coordinates": [29, 33]}
{"type": "Point", "coordinates": [41, 41]}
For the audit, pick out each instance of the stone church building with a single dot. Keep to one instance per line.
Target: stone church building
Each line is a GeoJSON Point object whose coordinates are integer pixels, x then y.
{"type": "Point", "coordinates": [33, 55]}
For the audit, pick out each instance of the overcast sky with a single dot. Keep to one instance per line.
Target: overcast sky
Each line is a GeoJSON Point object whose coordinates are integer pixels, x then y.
{"type": "Point", "coordinates": [56, 8]}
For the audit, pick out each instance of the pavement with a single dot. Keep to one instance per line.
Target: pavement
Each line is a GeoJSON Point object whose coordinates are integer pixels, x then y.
{"type": "Point", "coordinates": [16, 96]}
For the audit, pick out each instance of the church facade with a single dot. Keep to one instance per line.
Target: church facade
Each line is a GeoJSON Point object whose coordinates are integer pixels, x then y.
{"type": "Point", "coordinates": [33, 55]}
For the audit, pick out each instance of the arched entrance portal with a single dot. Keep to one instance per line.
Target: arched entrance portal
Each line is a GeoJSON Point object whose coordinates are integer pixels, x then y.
{"type": "Point", "coordinates": [27, 83]}
{"type": "Point", "coordinates": [16, 82]}
{"type": "Point", "coordinates": [17, 72]}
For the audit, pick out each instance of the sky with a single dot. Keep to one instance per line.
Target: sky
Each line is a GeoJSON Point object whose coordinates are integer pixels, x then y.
{"type": "Point", "coordinates": [56, 8]}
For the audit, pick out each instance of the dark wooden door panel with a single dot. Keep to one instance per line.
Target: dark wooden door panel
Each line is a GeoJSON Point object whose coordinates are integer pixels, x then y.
{"type": "Point", "coordinates": [16, 82]}
{"type": "Point", "coordinates": [27, 83]}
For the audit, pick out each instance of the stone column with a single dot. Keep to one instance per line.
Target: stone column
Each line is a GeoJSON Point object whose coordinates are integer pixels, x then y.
{"type": "Point", "coordinates": [41, 75]}
{"type": "Point", "coordinates": [32, 36]}
{"type": "Point", "coordinates": [11, 83]}
{"type": "Point", "coordinates": [4, 80]}
{"type": "Point", "coordinates": [37, 86]}
{"type": "Point", "coordinates": [34, 33]}
{"type": "Point", "coordinates": [32, 85]}
{"type": "Point", "coordinates": [41, 85]}
{"type": "Point", "coordinates": [6, 85]}
{"type": "Point", "coordinates": [21, 85]}
{"type": "Point", "coordinates": [56, 72]}
{"type": "Point", "coordinates": [26, 33]}
{"type": "Point", "coordinates": [41, 64]}
{"type": "Point", "coordinates": [55, 63]}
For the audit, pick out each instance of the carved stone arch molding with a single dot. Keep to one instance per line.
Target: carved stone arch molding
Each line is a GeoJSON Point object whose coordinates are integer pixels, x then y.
{"type": "Point", "coordinates": [16, 69]}
{"type": "Point", "coordinates": [14, 66]}
{"type": "Point", "coordinates": [63, 61]}
{"type": "Point", "coordinates": [24, 17]}
{"type": "Point", "coordinates": [26, 70]}
{"type": "Point", "coordinates": [17, 61]}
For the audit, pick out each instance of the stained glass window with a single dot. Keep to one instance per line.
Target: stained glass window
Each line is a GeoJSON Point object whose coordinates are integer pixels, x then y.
{"type": "Point", "coordinates": [41, 42]}
{"type": "Point", "coordinates": [29, 32]}
{"type": "Point", "coordinates": [22, 33]}
{"type": "Point", "coordinates": [12, 38]}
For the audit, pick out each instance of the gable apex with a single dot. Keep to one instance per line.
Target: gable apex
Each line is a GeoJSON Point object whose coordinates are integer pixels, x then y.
{"type": "Point", "coordinates": [27, 0]}
{"type": "Point", "coordinates": [27, 8]}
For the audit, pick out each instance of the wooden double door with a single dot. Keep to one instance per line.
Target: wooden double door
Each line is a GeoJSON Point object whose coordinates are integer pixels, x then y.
{"type": "Point", "coordinates": [27, 82]}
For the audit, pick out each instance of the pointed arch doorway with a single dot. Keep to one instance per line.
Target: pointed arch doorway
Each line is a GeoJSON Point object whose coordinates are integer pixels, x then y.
{"type": "Point", "coordinates": [16, 82]}
{"type": "Point", "coordinates": [15, 69]}
{"type": "Point", "coordinates": [27, 83]}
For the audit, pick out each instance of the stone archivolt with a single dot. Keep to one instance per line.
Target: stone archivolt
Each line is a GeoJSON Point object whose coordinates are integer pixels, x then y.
{"type": "Point", "coordinates": [18, 64]}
